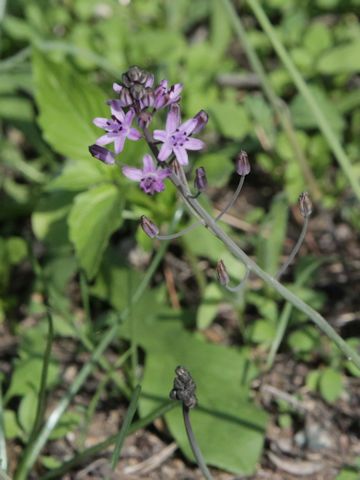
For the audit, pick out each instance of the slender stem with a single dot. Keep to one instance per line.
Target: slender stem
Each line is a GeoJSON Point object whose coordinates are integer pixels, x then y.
{"type": "Point", "coordinates": [238, 288]}
{"type": "Point", "coordinates": [211, 224]}
{"type": "Point", "coordinates": [33, 450]}
{"type": "Point", "coordinates": [194, 445]}
{"type": "Point", "coordinates": [179, 234]}
{"type": "Point", "coordinates": [233, 200]}
{"type": "Point", "coordinates": [310, 99]}
{"type": "Point", "coordinates": [295, 249]}
{"type": "Point", "coordinates": [276, 103]}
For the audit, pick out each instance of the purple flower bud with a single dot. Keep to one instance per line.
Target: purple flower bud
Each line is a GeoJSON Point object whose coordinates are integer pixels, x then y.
{"type": "Point", "coordinates": [222, 273]}
{"type": "Point", "coordinates": [242, 164]}
{"type": "Point", "coordinates": [125, 97]}
{"type": "Point", "coordinates": [202, 118]}
{"type": "Point", "coordinates": [149, 228]}
{"type": "Point", "coordinates": [144, 119]}
{"type": "Point", "coordinates": [102, 154]}
{"type": "Point", "coordinates": [148, 99]}
{"type": "Point", "coordinates": [137, 91]}
{"type": "Point", "coordinates": [305, 205]}
{"type": "Point", "coordinates": [200, 182]}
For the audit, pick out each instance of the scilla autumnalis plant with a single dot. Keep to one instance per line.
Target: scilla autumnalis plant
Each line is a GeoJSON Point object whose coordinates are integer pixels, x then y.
{"type": "Point", "coordinates": [137, 104]}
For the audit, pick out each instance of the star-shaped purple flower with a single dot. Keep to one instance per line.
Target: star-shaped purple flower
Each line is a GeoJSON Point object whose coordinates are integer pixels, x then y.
{"type": "Point", "coordinates": [151, 178]}
{"type": "Point", "coordinates": [118, 128]}
{"type": "Point", "coordinates": [177, 138]}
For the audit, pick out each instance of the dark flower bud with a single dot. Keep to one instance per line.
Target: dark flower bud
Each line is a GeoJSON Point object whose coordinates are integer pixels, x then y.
{"type": "Point", "coordinates": [305, 205]}
{"type": "Point", "coordinates": [242, 164]}
{"type": "Point", "coordinates": [184, 388]}
{"type": "Point", "coordinates": [200, 182]}
{"type": "Point", "coordinates": [222, 273]}
{"type": "Point", "coordinates": [149, 228]}
{"type": "Point", "coordinates": [148, 98]}
{"type": "Point", "coordinates": [144, 119]}
{"type": "Point", "coordinates": [133, 75]}
{"type": "Point", "coordinates": [125, 97]}
{"type": "Point", "coordinates": [137, 91]}
{"type": "Point", "coordinates": [202, 118]}
{"type": "Point", "coordinates": [102, 154]}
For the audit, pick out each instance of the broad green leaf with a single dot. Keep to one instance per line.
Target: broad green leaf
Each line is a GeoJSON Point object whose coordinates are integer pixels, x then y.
{"type": "Point", "coordinates": [304, 340]}
{"type": "Point", "coordinates": [209, 305]}
{"type": "Point", "coordinates": [95, 215]}
{"type": "Point", "coordinates": [27, 411]}
{"type": "Point", "coordinates": [228, 427]}
{"type": "Point", "coordinates": [341, 59]}
{"type": "Point", "coordinates": [12, 428]}
{"type": "Point", "coordinates": [330, 384]}
{"type": "Point", "coordinates": [262, 331]}
{"type": "Point", "coordinates": [77, 176]}
{"type": "Point", "coordinates": [68, 103]}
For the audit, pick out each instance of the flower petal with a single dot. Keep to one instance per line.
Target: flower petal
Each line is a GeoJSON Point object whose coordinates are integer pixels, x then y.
{"type": "Point", "coordinates": [163, 173]}
{"type": "Point", "coordinates": [101, 122]}
{"type": "Point", "coordinates": [134, 134]}
{"type": "Point", "coordinates": [117, 88]}
{"type": "Point", "coordinates": [181, 155]}
{"type": "Point", "coordinates": [173, 119]}
{"type": "Point", "coordinates": [165, 152]}
{"type": "Point", "coordinates": [133, 173]}
{"type": "Point", "coordinates": [105, 139]}
{"type": "Point", "coordinates": [149, 166]}
{"type": "Point", "coordinates": [119, 141]}
{"type": "Point", "coordinates": [129, 117]}
{"type": "Point", "coordinates": [116, 110]}
{"type": "Point", "coordinates": [159, 135]}
{"type": "Point", "coordinates": [188, 126]}
{"type": "Point", "coordinates": [194, 144]}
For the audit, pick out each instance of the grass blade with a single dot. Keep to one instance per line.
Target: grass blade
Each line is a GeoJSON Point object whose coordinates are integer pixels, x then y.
{"type": "Point", "coordinates": [311, 101]}
{"type": "Point", "coordinates": [125, 426]}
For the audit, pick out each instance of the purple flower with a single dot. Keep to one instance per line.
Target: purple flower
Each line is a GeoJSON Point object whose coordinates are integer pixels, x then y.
{"type": "Point", "coordinates": [151, 178]}
{"type": "Point", "coordinates": [118, 128]}
{"type": "Point", "coordinates": [165, 96]}
{"type": "Point", "coordinates": [177, 138]}
{"type": "Point", "coordinates": [102, 154]}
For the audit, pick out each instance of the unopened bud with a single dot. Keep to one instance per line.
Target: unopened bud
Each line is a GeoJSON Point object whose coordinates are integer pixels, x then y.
{"type": "Point", "coordinates": [137, 91]}
{"type": "Point", "coordinates": [200, 182]}
{"type": "Point", "coordinates": [242, 164]}
{"type": "Point", "coordinates": [144, 119]}
{"type": "Point", "coordinates": [202, 118]}
{"type": "Point", "coordinates": [125, 97]}
{"type": "Point", "coordinates": [134, 74]}
{"type": "Point", "coordinates": [149, 228]}
{"type": "Point", "coordinates": [222, 273]}
{"type": "Point", "coordinates": [148, 98]}
{"type": "Point", "coordinates": [305, 205]}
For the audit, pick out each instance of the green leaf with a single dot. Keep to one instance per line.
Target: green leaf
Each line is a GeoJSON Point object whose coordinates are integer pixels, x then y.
{"type": "Point", "coordinates": [231, 119]}
{"type": "Point", "coordinates": [67, 103]}
{"type": "Point", "coordinates": [262, 331]}
{"type": "Point", "coordinates": [12, 428]}
{"type": "Point", "coordinates": [330, 384]}
{"type": "Point", "coordinates": [77, 176]}
{"type": "Point", "coordinates": [27, 410]}
{"type": "Point", "coordinates": [95, 215]}
{"type": "Point", "coordinates": [228, 427]}
{"type": "Point", "coordinates": [209, 306]}
{"type": "Point", "coordinates": [341, 59]}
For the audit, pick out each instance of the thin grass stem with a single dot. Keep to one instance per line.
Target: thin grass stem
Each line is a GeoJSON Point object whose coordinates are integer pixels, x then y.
{"type": "Point", "coordinates": [33, 450]}
{"type": "Point", "coordinates": [85, 455]}
{"type": "Point", "coordinates": [3, 452]}
{"type": "Point", "coordinates": [309, 98]}
{"type": "Point", "coordinates": [173, 236]}
{"type": "Point", "coordinates": [276, 103]}
{"type": "Point", "coordinates": [125, 426]}
{"type": "Point", "coordinates": [239, 288]}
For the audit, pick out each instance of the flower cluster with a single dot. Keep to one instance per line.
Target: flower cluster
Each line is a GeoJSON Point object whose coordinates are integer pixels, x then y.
{"type": "Point", "coordinates": [139, 100]}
